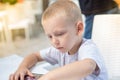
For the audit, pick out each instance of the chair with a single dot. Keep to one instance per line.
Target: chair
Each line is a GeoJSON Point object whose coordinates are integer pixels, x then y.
{"type": "Point", "coordinates": [2, 26]}
{"type": "Point", "coordinates": [22, 26]}
{"type": "Point", "coordinates": [106, 35]}
{"type": "Point", "coordinates": [1, 33]}
{"type": "Point", "coordinates": [18, 24]}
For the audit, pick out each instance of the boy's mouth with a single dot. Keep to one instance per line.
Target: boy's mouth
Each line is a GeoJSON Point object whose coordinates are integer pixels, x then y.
{"type": "Point", "coordinates": [59, 48]}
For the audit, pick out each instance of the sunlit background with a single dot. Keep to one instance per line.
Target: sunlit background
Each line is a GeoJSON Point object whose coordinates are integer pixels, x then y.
{"type": "Point", "coordinates": [20, 26]}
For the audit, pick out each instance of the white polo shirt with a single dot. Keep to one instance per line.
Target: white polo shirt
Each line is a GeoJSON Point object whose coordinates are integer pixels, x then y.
{"type": "Point", "coordinates": [87, 50]}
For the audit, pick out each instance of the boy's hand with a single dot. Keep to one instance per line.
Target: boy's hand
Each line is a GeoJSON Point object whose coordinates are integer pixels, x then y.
{"type": "Point", "coordinates": [20, 74]}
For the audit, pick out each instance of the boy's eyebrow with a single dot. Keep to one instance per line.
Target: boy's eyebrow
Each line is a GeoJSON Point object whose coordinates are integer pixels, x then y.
{"type": "Point", "coordinates": [56, 32]}
{"type": "Point", "coordinates": [61, 31]}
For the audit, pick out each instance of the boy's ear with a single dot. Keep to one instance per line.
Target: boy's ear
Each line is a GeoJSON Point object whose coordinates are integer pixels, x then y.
{"type": "Point", "coordinates": [79, 27]}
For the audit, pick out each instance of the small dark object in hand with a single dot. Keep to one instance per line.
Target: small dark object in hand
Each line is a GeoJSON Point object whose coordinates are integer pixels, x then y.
{"type": "Point", "coordinates": [36, 77]}
{"type": "Point", "coordinates": [29, 78]}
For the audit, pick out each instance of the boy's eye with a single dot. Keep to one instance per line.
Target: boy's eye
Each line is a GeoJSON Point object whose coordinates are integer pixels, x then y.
{"type": "Point", "coordinates": [59, 34]}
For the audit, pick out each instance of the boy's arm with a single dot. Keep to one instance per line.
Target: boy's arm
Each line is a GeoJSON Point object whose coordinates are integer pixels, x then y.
{"type": "Point", "coordinates": [24, 67]}
{"type": "Point", "coordinates": [73, 71]}
{"type": "Point", "coordinates": [31, 60]}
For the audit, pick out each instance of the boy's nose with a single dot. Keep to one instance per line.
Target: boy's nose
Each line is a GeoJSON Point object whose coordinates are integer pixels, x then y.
{"type": "Point", "coordinates": [55, 41]}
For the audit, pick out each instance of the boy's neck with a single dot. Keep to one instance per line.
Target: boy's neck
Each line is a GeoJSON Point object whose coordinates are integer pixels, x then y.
{"type": "Point", "coordinates": [75, 48]}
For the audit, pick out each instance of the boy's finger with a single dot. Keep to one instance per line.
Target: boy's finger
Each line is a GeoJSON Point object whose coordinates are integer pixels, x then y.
{"type": "Point", "coordinates": [11, 77]}
{"type": "Point", "coordinates": [22, 76]}
{"type": "Point", "coordinates": [16, 77]}
{"type": "Point", "coordinates": [30, 74]}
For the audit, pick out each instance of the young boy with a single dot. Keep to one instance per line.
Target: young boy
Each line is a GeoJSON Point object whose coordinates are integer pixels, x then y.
{"type": "Point", "coordinates": [78, 58]}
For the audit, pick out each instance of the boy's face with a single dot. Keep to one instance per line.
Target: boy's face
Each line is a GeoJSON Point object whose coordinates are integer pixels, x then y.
{"type": "Point", "coordinates": [62, 34]}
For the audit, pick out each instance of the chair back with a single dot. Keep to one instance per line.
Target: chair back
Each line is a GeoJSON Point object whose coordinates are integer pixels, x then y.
{"type": "Point", "coordinates": [106, 35]}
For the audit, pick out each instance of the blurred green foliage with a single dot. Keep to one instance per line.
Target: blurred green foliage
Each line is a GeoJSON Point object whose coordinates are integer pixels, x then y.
{"type": "Point", "coordinates": [11, 2]}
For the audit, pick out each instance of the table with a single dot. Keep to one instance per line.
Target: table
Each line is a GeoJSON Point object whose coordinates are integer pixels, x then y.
{"type": "Point", "coordinates": [9, 65]}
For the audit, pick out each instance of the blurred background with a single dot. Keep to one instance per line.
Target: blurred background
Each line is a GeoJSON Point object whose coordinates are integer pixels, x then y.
{"type": "Point", "coordinates": [20, 26]}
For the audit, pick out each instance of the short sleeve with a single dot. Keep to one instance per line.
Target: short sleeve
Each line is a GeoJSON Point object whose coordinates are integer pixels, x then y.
{"type": "Point", "coordinates": [50, 55]}
{"type": "Point", "coordinates": [90, 50]}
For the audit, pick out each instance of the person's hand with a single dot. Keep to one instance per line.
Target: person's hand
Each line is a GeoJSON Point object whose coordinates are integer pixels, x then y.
{"type": "Point", "coordinates": [20, 74]}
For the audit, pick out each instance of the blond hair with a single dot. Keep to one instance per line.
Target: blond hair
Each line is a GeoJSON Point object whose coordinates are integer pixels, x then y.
{"type": "Point", "coordinates": [63, 7]}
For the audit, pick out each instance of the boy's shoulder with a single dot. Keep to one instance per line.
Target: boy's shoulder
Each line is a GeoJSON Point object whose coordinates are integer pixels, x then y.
{"type": "Point", "coordinates": [88, 44]}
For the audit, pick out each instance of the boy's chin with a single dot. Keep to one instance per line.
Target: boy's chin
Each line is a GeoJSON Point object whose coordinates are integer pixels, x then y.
{"type": "Point", "coordinates": [63, 51]}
